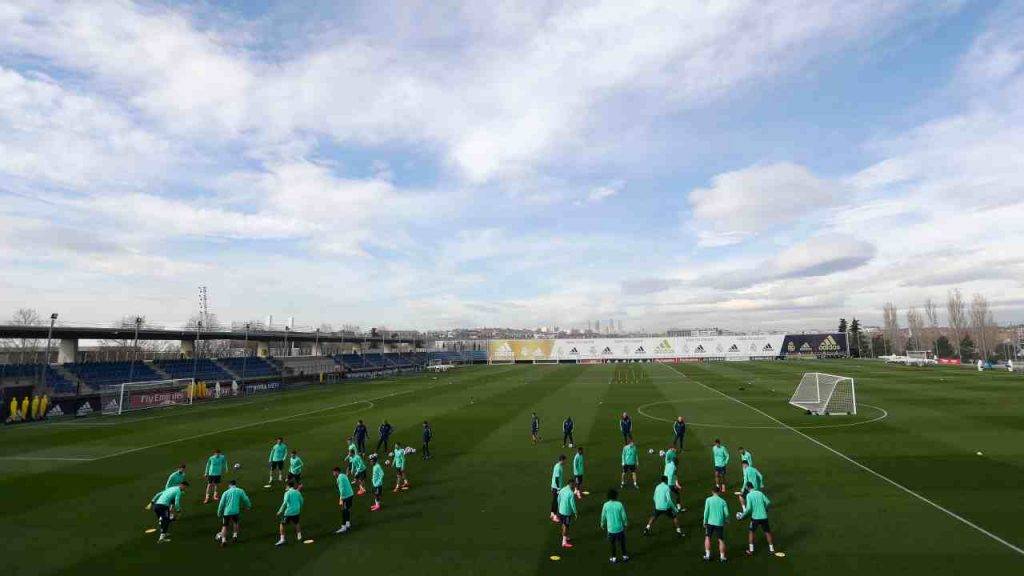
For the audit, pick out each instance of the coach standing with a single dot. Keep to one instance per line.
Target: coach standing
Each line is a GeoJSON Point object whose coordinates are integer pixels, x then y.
{"type": "Point", "coordinates": [679, 426]}
{"type": "Point", "coordinates": [626, 426]}
{"type": "Point", "coordinates": [428, 434]}
{"type": "Point", "coordinates": [360, 436]}
{"type": "Point", "coordinates": [384, 431]}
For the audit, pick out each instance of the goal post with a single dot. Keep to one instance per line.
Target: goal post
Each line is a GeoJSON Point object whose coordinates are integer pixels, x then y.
{"type": "Point", "coordinates": [132, 396]}
{"type": "Point", "coordinates": [821, 393]}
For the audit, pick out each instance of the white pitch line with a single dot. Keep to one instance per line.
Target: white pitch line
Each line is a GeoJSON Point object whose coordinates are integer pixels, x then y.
{"type": "Point", "coordinates": [879, 475]}
{"type": "Point", "coordinates": [260, 423]}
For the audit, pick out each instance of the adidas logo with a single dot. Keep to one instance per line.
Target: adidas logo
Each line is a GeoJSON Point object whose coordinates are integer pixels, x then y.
{"type": "Point", "coordinates": [734, 348]}
{"type": "Point", "coordinates": [664, 347]}
{"type": "Point", "coordinates": [791, 347]}
{"type": "Point", "coordinates": [699, 349]}
{"type": "Point", "coordinates": [805, 347]}
{"type": "Point", "coordinates": [55, 412]}
{"type": "Point", "coordinates": [85, 409]}
{"type": "Point", "coordinates": [607, 351]}
{"type": "Point", "coordinates": [640, 350]}
{"type": "Point", "coordinates": [768, 347]}
{"type": "Point", "coordinates": [574, 352]}
{"type": "Point", "coordinates": [828, 345]}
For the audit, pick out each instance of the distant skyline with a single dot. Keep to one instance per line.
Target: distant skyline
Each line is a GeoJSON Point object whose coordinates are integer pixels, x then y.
{"type": "Point", "coordinates": [428, 165]}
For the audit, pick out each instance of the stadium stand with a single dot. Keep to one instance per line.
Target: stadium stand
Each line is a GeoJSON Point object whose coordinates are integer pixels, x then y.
{"type": "Point", "coordinates": [203, 369]}
{"type": "Point", "coordinates": [29, 374]}
{"type": "Point", "coordinates": [255, 367]}
{"type": "Point", "coordinates": [99, 374]}
{"type": "Point", "coordinates": [357, 363]}
{"type": "Point", "coordinates": [305, 365]}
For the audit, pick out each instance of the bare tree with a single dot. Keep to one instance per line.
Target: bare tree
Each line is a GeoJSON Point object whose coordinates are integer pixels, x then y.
{"type": "Point", "coordinates": [957, 313]}
{"type": "Point", "coordinates": [209, 348]}
{"type": "Point", "coordinates": [982, 325]}
{"type": "Point", "coordinates": [932, 312]}
{"type": "Point", "coordinates": [916, 324]}
{"type": "Point", "coordinates": [24, 349]}
{"type": "Point", "coordinates": [122, 348]}
{"type": "Point", "coordinates": [891, 319]}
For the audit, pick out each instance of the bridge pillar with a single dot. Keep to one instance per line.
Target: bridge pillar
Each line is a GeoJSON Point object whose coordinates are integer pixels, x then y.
{"type": "Point", "coordinates": [67, 351]}
{"type": "Point", "coordinates": [188, 348]}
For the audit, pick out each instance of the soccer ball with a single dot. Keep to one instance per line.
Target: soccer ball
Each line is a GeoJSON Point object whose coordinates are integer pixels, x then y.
{"type": "Point", "coordinates": [739, 515]}
{"type": "Point", "coordinates": [650, 451]}
{"type": "Point", "coordinates": [570, 444]}
{"type": "Point", "coordinates": [661, 453]}
{"type": "Point", "coordinates": [387, 462]}
{"type": "Point", "coordinates": [237, 466]}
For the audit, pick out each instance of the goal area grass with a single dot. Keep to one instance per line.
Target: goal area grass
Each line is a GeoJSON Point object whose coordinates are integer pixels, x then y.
{"type": "Point", "coordinates": [925, 479]}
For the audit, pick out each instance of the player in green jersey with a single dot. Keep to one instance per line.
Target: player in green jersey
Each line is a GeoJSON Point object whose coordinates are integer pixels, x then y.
{"type": "Point", "coordinates": [230, 511]}
{"type": "Point", "coordinates": [716, 511]}
{"type": "Point", "coordinates": [216, 466]}
{"type": "Point", "coordinates": [345, 497]}
{"type": "Point", "coordinates": [290, 512]}
{"type": "Point", "coordinates": [757, 508]}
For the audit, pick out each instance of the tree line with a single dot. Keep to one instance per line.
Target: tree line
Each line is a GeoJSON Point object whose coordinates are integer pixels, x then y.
{"type": "Point", "coordinates": [970, 331]}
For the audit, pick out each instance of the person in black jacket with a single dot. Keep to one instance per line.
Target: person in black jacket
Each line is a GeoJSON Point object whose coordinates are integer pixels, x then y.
{"type": "Point", "coordinates": [428, 433]}
{"type": "Point", "coordinates": [679, 426]}
{"type": "Point", "coordinates": [626, 426]}
{"type": "Point", "coordinates": [567, 426]}
{"type": "Point", "coordinates": [360, 436]}
{"type": "Point", "coordinates": [385, 432]}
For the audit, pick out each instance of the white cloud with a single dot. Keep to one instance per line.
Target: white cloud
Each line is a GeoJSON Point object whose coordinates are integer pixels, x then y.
{"type": "Point", "coordinates": [602, 193]}
{"type": "Point", "coordinates": [159, 129]}
{"type": "Point", "coordinates": [60, 137]}
{"type": "Point", "coordinates": [506, 103]}
{"type": "Point", "coordinates": [760, 198]}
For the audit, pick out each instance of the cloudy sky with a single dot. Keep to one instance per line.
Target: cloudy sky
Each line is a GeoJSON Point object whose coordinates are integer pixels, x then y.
{"type": "Point", "coordinates": [744, 164]}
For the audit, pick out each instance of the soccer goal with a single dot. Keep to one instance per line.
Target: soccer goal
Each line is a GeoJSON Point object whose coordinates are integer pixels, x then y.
{"type": "Point", "coordinates": [825, 394]}
{"type": "Point", "coordinates": [131, 396]}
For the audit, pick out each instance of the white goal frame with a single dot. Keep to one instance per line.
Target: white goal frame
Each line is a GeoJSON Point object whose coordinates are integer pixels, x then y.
{"type": "Point", "coordinates": [822, 393]}
{"type": "Point", "coordinates": [113, 397]}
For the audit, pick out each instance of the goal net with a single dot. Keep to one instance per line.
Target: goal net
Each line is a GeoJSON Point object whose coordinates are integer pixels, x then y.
{"type": "Point", "coordinates": [825, 394]}
{"type": "Point", "coordinates": [131, 396]}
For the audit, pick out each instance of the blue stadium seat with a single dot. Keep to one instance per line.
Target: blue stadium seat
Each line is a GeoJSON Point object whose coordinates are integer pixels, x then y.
{"type": "Point", "coordinates": [255, 367]}
{"type": "Point", "coordinates": [203, 369]}
{"type": "Point", "coordinates": [30, 373]}
{"type": "Point", "coordinates": [99, 374]}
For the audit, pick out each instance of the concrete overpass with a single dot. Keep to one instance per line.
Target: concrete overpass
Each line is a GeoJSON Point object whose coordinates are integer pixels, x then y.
{"type": "Point", "coordinates": [67, 337]}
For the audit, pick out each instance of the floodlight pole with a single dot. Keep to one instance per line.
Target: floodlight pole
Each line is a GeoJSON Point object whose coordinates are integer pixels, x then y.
{"type": "Point", "coordinates": [46, 360]}
{"type": "Point", "coordinates": [195, 351]}
{"type": "Point", "coordinates": [245, 348]}
{"type": "Point", "coordinates": [286, 330]}
{"type": "Point", "coordinates": [135, 349]}
{"type": "Point", "coordinates": [316, 342]}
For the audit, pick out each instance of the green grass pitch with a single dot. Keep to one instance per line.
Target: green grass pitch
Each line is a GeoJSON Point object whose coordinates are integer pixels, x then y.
{"type": "Point", "coordinates": [72, 493]}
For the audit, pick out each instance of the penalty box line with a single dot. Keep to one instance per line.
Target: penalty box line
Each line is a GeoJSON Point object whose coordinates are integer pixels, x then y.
{"type": "Point", "coordinates": [262, 422]}
{"type": "Point", "coordinates": [878, 475]}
